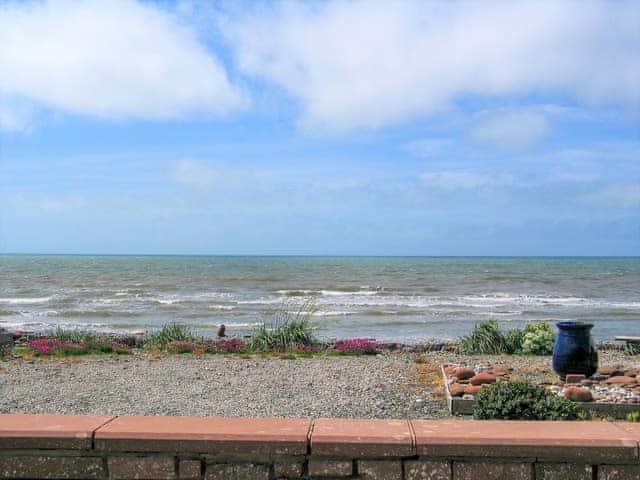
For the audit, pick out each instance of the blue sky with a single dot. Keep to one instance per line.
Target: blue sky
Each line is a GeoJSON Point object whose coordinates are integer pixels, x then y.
{"type": "Point", "coordinates": [415, 128]}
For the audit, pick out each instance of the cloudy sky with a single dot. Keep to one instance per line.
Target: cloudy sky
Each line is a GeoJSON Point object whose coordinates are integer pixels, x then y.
{"type": "Point", "coordinates": [337, 127]}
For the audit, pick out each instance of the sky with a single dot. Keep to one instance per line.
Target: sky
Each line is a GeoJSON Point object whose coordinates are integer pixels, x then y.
{"type": "Point", "coordinates": [322, 128]}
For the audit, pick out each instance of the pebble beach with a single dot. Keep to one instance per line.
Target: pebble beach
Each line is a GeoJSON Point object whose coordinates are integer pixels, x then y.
{"type": "Point", "coordinates": [389, 385]}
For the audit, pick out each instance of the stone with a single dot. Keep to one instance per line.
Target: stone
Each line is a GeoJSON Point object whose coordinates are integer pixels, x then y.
{"type": "Point", "coordinates": [287, 469]}
{"type": "Point", "coordinates": [141, 468]}
{"type": "Point", "coordinates": [611, 371]}
{"type": "Point", "coordinates": [361, 438]}
{"type": "Point", "coordinates": [189, 469]}
{"type": "Point", "coordinates": [575, 377]}
{"type": "Point", "coordinates": [380, 469]}
{"type": "Point", "coordinates": [619, 380]}
{"type": "Point", "coordinates": [330, 468]}
{"type": "Point", "coordinates": [492, 471]}
{"type": "Point", "coordinates": [618, 472]}
{"type": "Point", "coordinates": [464, 373]}
{"type": "Point", "coordinates": [427, 470]}
{"type": "Point", "coordinates": [472, 389]}
{"type": "Point", "coordinates": [578, 394]}
{"type": "Point", "coordinates": [456, 390]}
{"type": "Point", "coordinates": [482, 378]}
{"type": "Point", "coordinates": [51, 467]}
{"type": "Point", "coordinates": [563, 471]}
{"type": "Point", "coordinates": [450, 369]}
{"type": "Point", "coordinates": [242, 471]}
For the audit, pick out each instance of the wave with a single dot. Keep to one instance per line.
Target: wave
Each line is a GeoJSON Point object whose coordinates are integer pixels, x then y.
{"type": "Point", "coordinates": [221, 307]}
{"type": "Point", "coordinates": [347, 291]}
{"type": "Point", "coordinates": [25, 300]}
{"type": "Point", "coordinates": [97, 313]}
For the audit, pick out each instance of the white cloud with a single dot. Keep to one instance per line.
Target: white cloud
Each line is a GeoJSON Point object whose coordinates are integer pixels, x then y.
{"type": "Point", "coordinates": [510, 130]}
{"type": "Point", "coordinates": [109, 59]}
{"type": "Point", "coordinates": [372, 63]}
{"type": "Point", "coordinates": [193, 173]}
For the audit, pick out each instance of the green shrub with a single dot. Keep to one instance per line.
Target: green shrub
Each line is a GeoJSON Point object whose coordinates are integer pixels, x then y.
{"type": "Point", "coordinates": [172, 332]}
{"type": "Point", "coordinates": [633, 417]}
{"type": "Point", "coordinates": [538, 339]}
{"type": "Point", "coordinates": [487, 338]}
{"type": "Point", "coordinates": [522, 401]}
{"type": "Point", "coordinates": [288, 330]}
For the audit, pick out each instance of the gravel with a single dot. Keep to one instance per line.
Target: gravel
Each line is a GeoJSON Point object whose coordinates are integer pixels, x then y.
{"type": "Point", "coordinates": [381, 386]}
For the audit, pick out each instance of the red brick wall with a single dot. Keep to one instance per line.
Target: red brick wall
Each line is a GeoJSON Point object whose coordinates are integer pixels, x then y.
{"type": "Point", "coordinates": [94, 447]}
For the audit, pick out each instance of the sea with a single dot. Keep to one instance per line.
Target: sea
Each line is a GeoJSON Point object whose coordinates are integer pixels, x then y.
{"type": "Point", "coordinates": [405, 299]}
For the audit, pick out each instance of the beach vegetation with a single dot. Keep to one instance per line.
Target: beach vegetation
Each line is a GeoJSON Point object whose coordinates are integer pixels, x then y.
{"type": "Point", "coordinates": [633, 417]}
{"type": "Point", "coordinates": [55, 347]}
{"type": "Point", "coordinates": [232, 345]}
{"type": "Point", "coordinates": [357, 346]}
{"type": "Point", "coordinates": [538, 339]}
{"type": "Point", "coordinates": [169, 333]}
{"type": "Point", "coordinates": [289, 329]}
{"type": "Point", "coordinates": [73, 336]}
{"type": "Point", "coordinates": [522, 401]}
{"type": "Point", "coordinates": [487, 338]}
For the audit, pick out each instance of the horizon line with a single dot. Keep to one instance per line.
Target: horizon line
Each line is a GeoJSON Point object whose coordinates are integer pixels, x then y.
{"type": "Point", "coordinates": [310, 255]}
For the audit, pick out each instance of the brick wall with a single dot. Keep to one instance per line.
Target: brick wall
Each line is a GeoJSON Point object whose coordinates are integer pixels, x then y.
{"type": "Point", "coordinates": [95, 447]}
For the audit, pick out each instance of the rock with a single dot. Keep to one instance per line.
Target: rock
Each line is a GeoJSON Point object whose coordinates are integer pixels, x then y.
{"type": "Point", "coordinates": [456, 390]}
{"type": "Point", "coordinates": [450, 369]}
{"type": "Point", "coordinates": [500, 371]}
{"type": "Point", "coordinates": [464, 373]}
{"type": "Point", "coordinates": [611, 371]}
{"type": "Point", "coordinates": [587, 382]}
{"type": "Point", "coordinates": [482, 378]}
{"type": "Point", "coordinates": [472, 389]}
{"type": "Point", "coordinates": [630, 373]}
{"type": "Point", "coordinates": [619, 380]}
{"type": "Point", "coordinates": [578, 394]}
{"type": "Point", "coordinates": [575, 377]}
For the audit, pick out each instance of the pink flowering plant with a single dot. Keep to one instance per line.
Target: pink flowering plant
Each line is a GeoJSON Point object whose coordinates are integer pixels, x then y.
{"type": "Point", "coordinates": [181, 346]}
{"type": "Point", "coordinates": [67, 344]}
{"type": "Point", "coordinates": [232, 345]}
{"type": "Point", "coordinates": [357, 346]}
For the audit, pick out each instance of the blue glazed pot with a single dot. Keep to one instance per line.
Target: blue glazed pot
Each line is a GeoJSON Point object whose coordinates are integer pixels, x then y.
{"type": "Point", "coordinates": [574, 351]}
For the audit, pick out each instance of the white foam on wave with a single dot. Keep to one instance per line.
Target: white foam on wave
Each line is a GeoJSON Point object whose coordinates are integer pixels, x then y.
{"type": "Point", "coordinates": [25, 300]}
{"type": "Point", "coordinates": [221, 307]}
{"type": "Point", "coordinates": [328, 293]}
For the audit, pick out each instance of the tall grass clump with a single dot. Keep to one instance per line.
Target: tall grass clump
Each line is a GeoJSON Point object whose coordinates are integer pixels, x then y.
{"type": "Point", "coordinates": [487, 338]}
{"type": "Point", "coordinates": [73, 336]}
{"type": "Point", "coordinates": [171, 332]}
{"type": "Point", "coordinates": [288, 331]}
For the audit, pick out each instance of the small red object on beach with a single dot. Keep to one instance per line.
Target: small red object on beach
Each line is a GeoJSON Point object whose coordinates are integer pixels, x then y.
{"type": "Point", "coordinates": [221, 330]}
{"type": "Point", "coordinates": [575, 377]}
{"type": "Point", "coordinates": [482, 378]}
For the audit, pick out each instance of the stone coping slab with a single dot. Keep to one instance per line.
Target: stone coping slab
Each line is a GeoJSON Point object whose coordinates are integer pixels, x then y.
{"type": "Point", "coordinates": [567, 441]}
{"type": "Point", "coordinates": [214, 435]}
{"type": "Point", "coordinates": [24, 431]}
{"type": "Point", "coordinates": [362, 438]}
{"type": "Point", "coordinates": [591, 442]}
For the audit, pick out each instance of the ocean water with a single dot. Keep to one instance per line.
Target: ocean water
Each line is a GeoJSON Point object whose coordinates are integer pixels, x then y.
{"type": "Point", "coordinates": [388, 298]}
